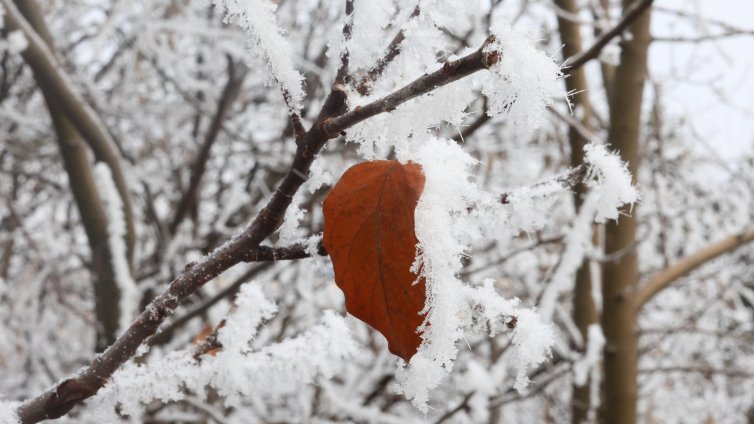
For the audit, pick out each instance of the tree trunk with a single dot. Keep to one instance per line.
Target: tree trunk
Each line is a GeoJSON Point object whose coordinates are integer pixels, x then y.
{"type": "Point", "coordinates": [620, 275]}
{"type": "Point", "coordinates": [584, 310]}
{"type": "Point", "coordinates": [89, 204]}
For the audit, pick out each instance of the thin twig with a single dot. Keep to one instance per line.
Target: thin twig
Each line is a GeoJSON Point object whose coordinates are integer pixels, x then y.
{"type": "Point", "coordinates": [166, 334]}
{"type": "Point", "coordinates": [570, 178]}
{"type": "Point", "coordinates": [342, 74]}
{"type": "Point", "coordinates": [462, 406]}
{"type": "Point", "coordinates": [474, 126]}
{"type": "Point", "coordinates": [393, 49]}
{"type": "Point", "coordinates": [229, 94]}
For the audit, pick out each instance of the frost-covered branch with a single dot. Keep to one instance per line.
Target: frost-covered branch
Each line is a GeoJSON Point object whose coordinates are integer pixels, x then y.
{"type": "Point", "coordinates": [108, 263]}
{"type": "Point", "coordinates": [236, 371]}
{"type": "Point", "coordinates": [342, 75]}
{"type": "Point", "coordinates": [568, 179]}
{"type": "Point", "coordinates": [60, 399]}
{"type": "Point", "coordinates": [573, 63]}
{"type": "Point", "coordinates": [393, 49]}
{"type": "Point", "coordinates": [451, 71]}
{"type": "Point", "coordinates": [257, 18]}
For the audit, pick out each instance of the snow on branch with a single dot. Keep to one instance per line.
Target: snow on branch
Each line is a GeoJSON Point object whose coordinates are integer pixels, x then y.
{"type": "Point", "coordinates": [236, 372]}
{"type": "Point", "coordinates": [612, 183]}
{"type": "Point", "coordinates": [257, 19]}
{"type": "Point", "coordinates": [369, 18]}
{"type": "Point", "coordinates": [446, 168]}
{"type": "Point", "coordinates": [610, 188]}
{"type": "Point", "coordinates": [116, 239]}
{"type": "Point", "coordinates": [590, 361]}
{"type": "Point", "coordinates": [444, 235]}
{"type": "Point", "coordinates": [524, 83]}
{"type": "Point", "coordinates": [531, 337]}
{"type": "Point", "coordinates": [8, 409]}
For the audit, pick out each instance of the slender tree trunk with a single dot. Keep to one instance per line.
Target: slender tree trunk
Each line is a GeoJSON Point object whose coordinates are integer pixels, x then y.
{"type": "Point", "coordinates": [41, 58]}
{"type": "Point", "coordinates": [620, 275]}
{"type": "Point", "coordinates": [77, 164]}
{"type": "Point", "coordinates": [94, 219]}
{"type": "Point", "coordinates": [584, 310]}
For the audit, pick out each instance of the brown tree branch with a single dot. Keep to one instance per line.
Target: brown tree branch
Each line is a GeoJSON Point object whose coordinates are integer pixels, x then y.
{"type": "Point", "coordinates": [474, 126]}
{"type": "Point", "coordinates": [48, 72]}
{"type": "Point", "coordinates": [296, 122]}
{"type": "Point", "coordinates": [622, 275]}
{"type": "Point", "coordinates": [61, 398]}
{"type": "Point", "coordinates": [629, 16]}
{"type": "Point", "coordinates": [683, 267]}
{"type": "Point", "coordinates": [703, 38]}
{"type": "Point", "coordinates": [288, 253]}
{"type": "Point", "coordinates": [451, 71]}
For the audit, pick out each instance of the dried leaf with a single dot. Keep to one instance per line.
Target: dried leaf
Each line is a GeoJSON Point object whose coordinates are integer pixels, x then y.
{"type": "Point", "coordinates": [369, 235]}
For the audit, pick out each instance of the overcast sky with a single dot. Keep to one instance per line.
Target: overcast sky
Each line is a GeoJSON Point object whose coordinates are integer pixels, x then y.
{"type": "Point", "coordinates": [711, 82]}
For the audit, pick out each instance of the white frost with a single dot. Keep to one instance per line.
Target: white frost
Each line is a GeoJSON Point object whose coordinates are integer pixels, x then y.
{"type": "Point", "coordinates": [614, 186]}
{"type": "Point", "coordinates": [236, 372]}
{"type": "Point", "coordinates": [523, 82]}
{"type": "Point", "coordinates": [370, 17]}
{"type": "Point", "coordinates": [610, 54]}
{"type": "Point", "coordinates": [17, 42]}
{"type": "Point", "coordinates": [610, 188]}
{"type": "Point", "coordinates": [318, 175]}
{"type": "Point", "coordinates": [592, 355]}
{"type": "Point", "coordinates": [532, 339]}
{"type": "Point", "coordinates": [289, 230]}
{"type": "Point", "coordinates": [116, 239]}
{"type": "Point", "coordinates": [446, 168]}
{"type": "Point", "coordinates": [257, 19]}
{"type": "Point", "coordinates": [444, 228]}
{"type": "Point", "coordinates": [8, 409]}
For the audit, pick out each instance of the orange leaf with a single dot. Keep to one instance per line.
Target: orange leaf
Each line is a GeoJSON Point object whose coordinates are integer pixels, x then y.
{"type": "Point", "coordinates": [369, 235]}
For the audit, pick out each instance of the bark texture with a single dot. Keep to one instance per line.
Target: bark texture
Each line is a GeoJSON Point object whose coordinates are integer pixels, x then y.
{"type": "Point", "coordinates": [621, 274]}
